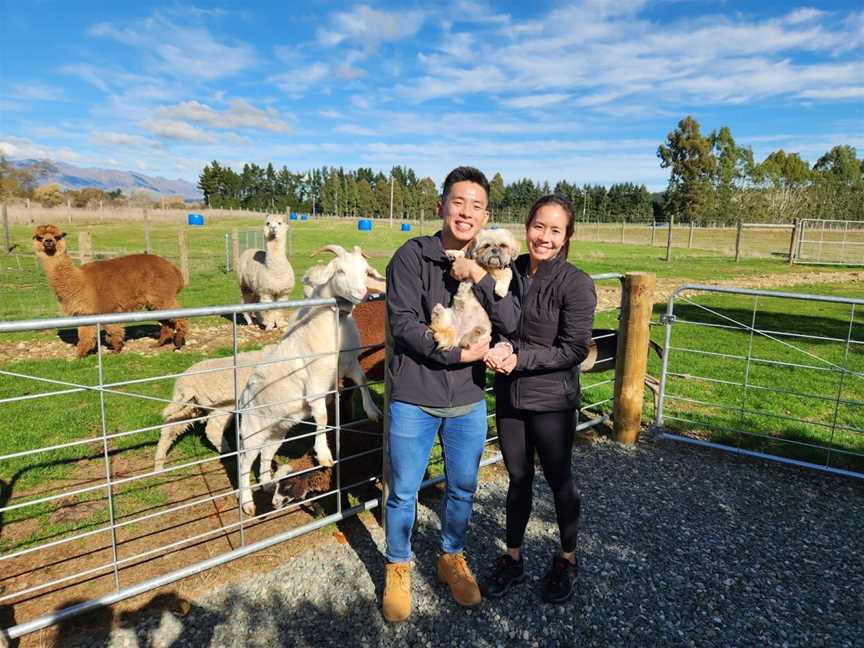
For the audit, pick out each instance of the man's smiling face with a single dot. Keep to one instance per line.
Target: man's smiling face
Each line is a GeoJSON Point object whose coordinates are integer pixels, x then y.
{"type": "Point", "coordinates": [464, 213]}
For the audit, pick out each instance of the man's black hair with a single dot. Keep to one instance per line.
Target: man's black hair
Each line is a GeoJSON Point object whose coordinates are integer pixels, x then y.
{"type": "Point", "coordinates": [463, 174]}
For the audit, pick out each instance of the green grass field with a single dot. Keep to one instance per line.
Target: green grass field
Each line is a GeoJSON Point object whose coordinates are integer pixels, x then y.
{"type": "Point", "coordinates": [704, 397]}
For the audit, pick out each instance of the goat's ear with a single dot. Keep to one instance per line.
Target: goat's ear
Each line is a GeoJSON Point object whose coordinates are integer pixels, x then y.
{"type": "Point", "coordinates": [372, 272]}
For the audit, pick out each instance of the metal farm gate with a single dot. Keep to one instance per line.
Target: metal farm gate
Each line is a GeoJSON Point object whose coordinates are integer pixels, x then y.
{"type": "Point", "coordinates": [773, 375]}
{"type": "Point", "coordinates": [98, 522]}
{"type": "Point", "coordinates": [829, 242]}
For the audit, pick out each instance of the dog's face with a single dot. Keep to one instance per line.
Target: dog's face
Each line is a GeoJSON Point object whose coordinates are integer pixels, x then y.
{"type": "Point", "coordinates": [494, 248]}
{"type": "Point", "coordinates": [48, 240]}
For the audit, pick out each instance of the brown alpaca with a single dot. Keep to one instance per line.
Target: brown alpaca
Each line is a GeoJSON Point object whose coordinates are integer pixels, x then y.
{"type": "Point", "coordinates": [116, 285]}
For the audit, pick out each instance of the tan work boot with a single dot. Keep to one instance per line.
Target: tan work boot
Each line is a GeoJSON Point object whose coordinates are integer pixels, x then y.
{"type": "Point", "coordinates": [396, 605]}
{"type": "Point", "coordinates": [453, 570]}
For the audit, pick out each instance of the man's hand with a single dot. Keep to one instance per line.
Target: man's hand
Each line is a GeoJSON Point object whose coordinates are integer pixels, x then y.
{"type": "Point", "coordinates": [476, 351]}
{"type": "Point", "coordinates": [463, 268]}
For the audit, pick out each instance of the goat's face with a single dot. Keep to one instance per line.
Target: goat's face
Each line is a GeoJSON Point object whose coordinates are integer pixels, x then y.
{"type": "Point", "coordinates": [349, 272]}
{"type": "Point", "coordinates": [274, 227]}
{"type": "Point", "coordinates": [48, 240]}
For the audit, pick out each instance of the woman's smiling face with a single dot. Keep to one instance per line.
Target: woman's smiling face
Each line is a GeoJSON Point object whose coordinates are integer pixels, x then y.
{"type": "Point", "coordinates": [547, 232]}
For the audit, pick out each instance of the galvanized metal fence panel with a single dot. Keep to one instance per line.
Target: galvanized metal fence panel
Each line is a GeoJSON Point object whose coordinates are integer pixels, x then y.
{"type": "Point", "coordinates": [830, 242]}
{"type": "Point", "coordinates": [117, 536]}
{"type": "Point", "coordinates": [735, 376]}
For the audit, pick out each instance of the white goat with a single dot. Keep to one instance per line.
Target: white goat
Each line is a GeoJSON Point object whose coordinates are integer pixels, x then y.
{"type": "Point", "coordinates": [317, 275]}
{"type": "Point", "coordinates": [280, 394]}
{"type": "Point", "coordinates": [206, 389]}
{"type": "Point", "coordinates": [266, 275]}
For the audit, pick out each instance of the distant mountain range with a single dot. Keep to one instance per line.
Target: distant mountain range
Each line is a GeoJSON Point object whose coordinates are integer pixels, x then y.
{"type": "Point", "coordinates": [70, 176]}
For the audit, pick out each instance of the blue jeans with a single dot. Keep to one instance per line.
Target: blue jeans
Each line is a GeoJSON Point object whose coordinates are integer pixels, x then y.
{"type": "Point", "coordinates": [412, 434]}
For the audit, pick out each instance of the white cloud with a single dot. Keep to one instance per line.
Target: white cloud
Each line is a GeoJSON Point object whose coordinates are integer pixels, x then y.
{"type": "Point", "coordinates": [849, 92]}
{"type": "Point", "coordinates": [180, 51]}
{"type": "Point", "coordinates": [177, 130]}
{"type": "Point", "coordinates": [37, 92]}
{"type": "Point", "coordinates": [535, 101]}
{"type": "Point", "coordinates": [20, 148]}
{"type": "Point", "coordinates": [354, 129]}
{"type": "Point", "coordinates": [370, 27]}
{"type": "Point", "coordinates": [125, 140]}
{"type": "Point", "coordinates": [240, 114]}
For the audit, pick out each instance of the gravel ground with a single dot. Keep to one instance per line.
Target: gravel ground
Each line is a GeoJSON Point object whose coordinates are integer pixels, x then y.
{"type": "Point", "coordinates": [678, 547]}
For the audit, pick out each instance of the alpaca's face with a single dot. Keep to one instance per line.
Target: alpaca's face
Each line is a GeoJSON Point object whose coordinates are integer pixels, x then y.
{"type": "Point", "coordinates": [48, 240]}
{"type": "Point", "coordinates": [274, 227]}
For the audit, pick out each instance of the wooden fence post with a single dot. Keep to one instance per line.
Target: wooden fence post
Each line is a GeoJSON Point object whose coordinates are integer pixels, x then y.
{"type": "Point", "coordinates": [421, 222]}
{"type": "Point", "coordinates": [792, 239]}
{"type": "Point", "coordinates": [597, 229]}
{"type": "Point", "coordinates": [623, 221]}
{"type": "Point", "coordinates": [235, 248]}
{"type": "Point", "coordinates": [738, 238]}
{"type": "Point", "coordinates": [184, 255]}
{"type": "Point", "coordinates": [690, 238]}
{"type": "Point", "coordinates": [670, 223]}
{"type": "Point", "coordinates": [85, 247]}
{"type": "Point", "coordinates": [101, 211]}
{"type": "Point", "coordinates": [68, 211]}
{"type": "Point", "coordinates": [29, 212]}
{"type": "Point", "coordinates": [653, 231]}
{"type": "Point", "coordinates": [6, 245]}
{"type": "Point", "coordinates": [146, 231]}
{"type": "Point", "coordinates": [632, 354]}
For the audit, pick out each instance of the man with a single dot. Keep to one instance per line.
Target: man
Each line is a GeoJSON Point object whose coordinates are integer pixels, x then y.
{"type": "Point", "coordinates": [437, 392]}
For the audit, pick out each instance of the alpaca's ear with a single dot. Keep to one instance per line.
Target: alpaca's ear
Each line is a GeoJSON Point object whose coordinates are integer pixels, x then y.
{"type": "Point", "coordinates": [62, 235]}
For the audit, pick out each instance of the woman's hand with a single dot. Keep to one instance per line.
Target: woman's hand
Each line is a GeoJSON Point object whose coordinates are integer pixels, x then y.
{"type": "Point", "coordinates": [508, 364]}
{"type": "Point", "coordinates": [463, 268]}
{"type": "Point", "coordinates": [476, 351]}
{"type": "Point", "coordinates": [497, 355]}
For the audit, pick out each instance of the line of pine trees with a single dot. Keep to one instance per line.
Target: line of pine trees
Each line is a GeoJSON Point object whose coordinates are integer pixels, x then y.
{"type": "Point", "coordinates": [364, 193]}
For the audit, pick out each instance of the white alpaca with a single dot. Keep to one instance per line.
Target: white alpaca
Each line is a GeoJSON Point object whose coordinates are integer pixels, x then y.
{"type": "Point", "coordinates": [280, 394]}
{"type": "Point", "coordinates": [266, 276]}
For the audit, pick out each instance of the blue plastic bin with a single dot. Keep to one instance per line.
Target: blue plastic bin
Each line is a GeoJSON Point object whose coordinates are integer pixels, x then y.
{"type": "Point", "coordinates": [292, 216]}
{"type": "Point", "coordinates": [364, 225]}
{"type": "Point", "coordinates": [194, 219]}
{"type": "Point", "coordinates": [304, 216]}
{"type": "Point", "coordinates": [406, 227]}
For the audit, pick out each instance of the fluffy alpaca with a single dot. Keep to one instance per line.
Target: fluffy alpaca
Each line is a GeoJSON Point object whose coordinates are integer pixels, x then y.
{"type": "Point", "coordinates": [266, 276]}
{"type": "Point", "coordinates": [206, 389]}
{"type": "Point", "coordinates": [115, 285]}
{"type": "Point", "coordinates": [361, 457]}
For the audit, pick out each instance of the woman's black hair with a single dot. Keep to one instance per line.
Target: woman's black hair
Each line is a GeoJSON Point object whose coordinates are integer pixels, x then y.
{"type": "Point", "coordinates": [563, 203]}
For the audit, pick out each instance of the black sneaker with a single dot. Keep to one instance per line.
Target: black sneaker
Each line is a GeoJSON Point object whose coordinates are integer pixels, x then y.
{"type": "Point", "coordinates": [558, 583]}
{"type": "Point", "coordinates": [506, 574]}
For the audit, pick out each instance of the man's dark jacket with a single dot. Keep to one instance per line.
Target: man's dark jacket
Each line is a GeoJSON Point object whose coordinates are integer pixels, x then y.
{"type": "Point", "coordinates": [418, 278]}
{"type": "Point", "coordinates": [552, 336]}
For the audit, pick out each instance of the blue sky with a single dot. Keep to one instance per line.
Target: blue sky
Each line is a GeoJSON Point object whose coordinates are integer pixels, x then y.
{"type": "Point", "coordinates": [583, 91]}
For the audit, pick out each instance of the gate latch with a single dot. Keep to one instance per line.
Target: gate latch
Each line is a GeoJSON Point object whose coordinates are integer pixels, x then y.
{"type": "Point", "coordinates": [667, 319]}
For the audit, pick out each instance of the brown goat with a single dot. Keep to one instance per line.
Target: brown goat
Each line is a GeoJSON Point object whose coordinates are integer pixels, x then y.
{"type": "Point", "coordinates": [115, 285]}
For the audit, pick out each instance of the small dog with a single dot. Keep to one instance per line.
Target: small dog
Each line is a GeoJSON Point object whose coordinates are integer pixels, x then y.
{"type": "Point", "coordinates": [466, 321]}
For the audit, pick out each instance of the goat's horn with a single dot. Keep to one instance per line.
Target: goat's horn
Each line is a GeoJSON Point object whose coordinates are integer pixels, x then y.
{"type": "Point", "coordinates": [357, 250]}
{"type": "Point", "coordinates": [338, 250]}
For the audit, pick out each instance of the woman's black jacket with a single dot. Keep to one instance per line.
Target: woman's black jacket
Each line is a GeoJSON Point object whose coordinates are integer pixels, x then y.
{"type": "Point", "coordinates": [552, 335]}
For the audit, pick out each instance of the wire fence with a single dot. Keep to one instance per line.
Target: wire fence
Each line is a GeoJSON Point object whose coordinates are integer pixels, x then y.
{"type": "Point", "coordinates": [768, 374]}
{"type": "Point", "coordinates": [86, 513]}
{"type": "Point", "coordinates": [830, 242]}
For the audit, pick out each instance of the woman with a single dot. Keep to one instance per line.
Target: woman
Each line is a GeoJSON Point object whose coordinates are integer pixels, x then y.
{"type": "Point", "coordinates": [537, 391]}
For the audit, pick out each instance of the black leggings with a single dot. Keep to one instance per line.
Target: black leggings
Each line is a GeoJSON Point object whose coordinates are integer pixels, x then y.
{"type": "Point", "coordinates": [551, 434]}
